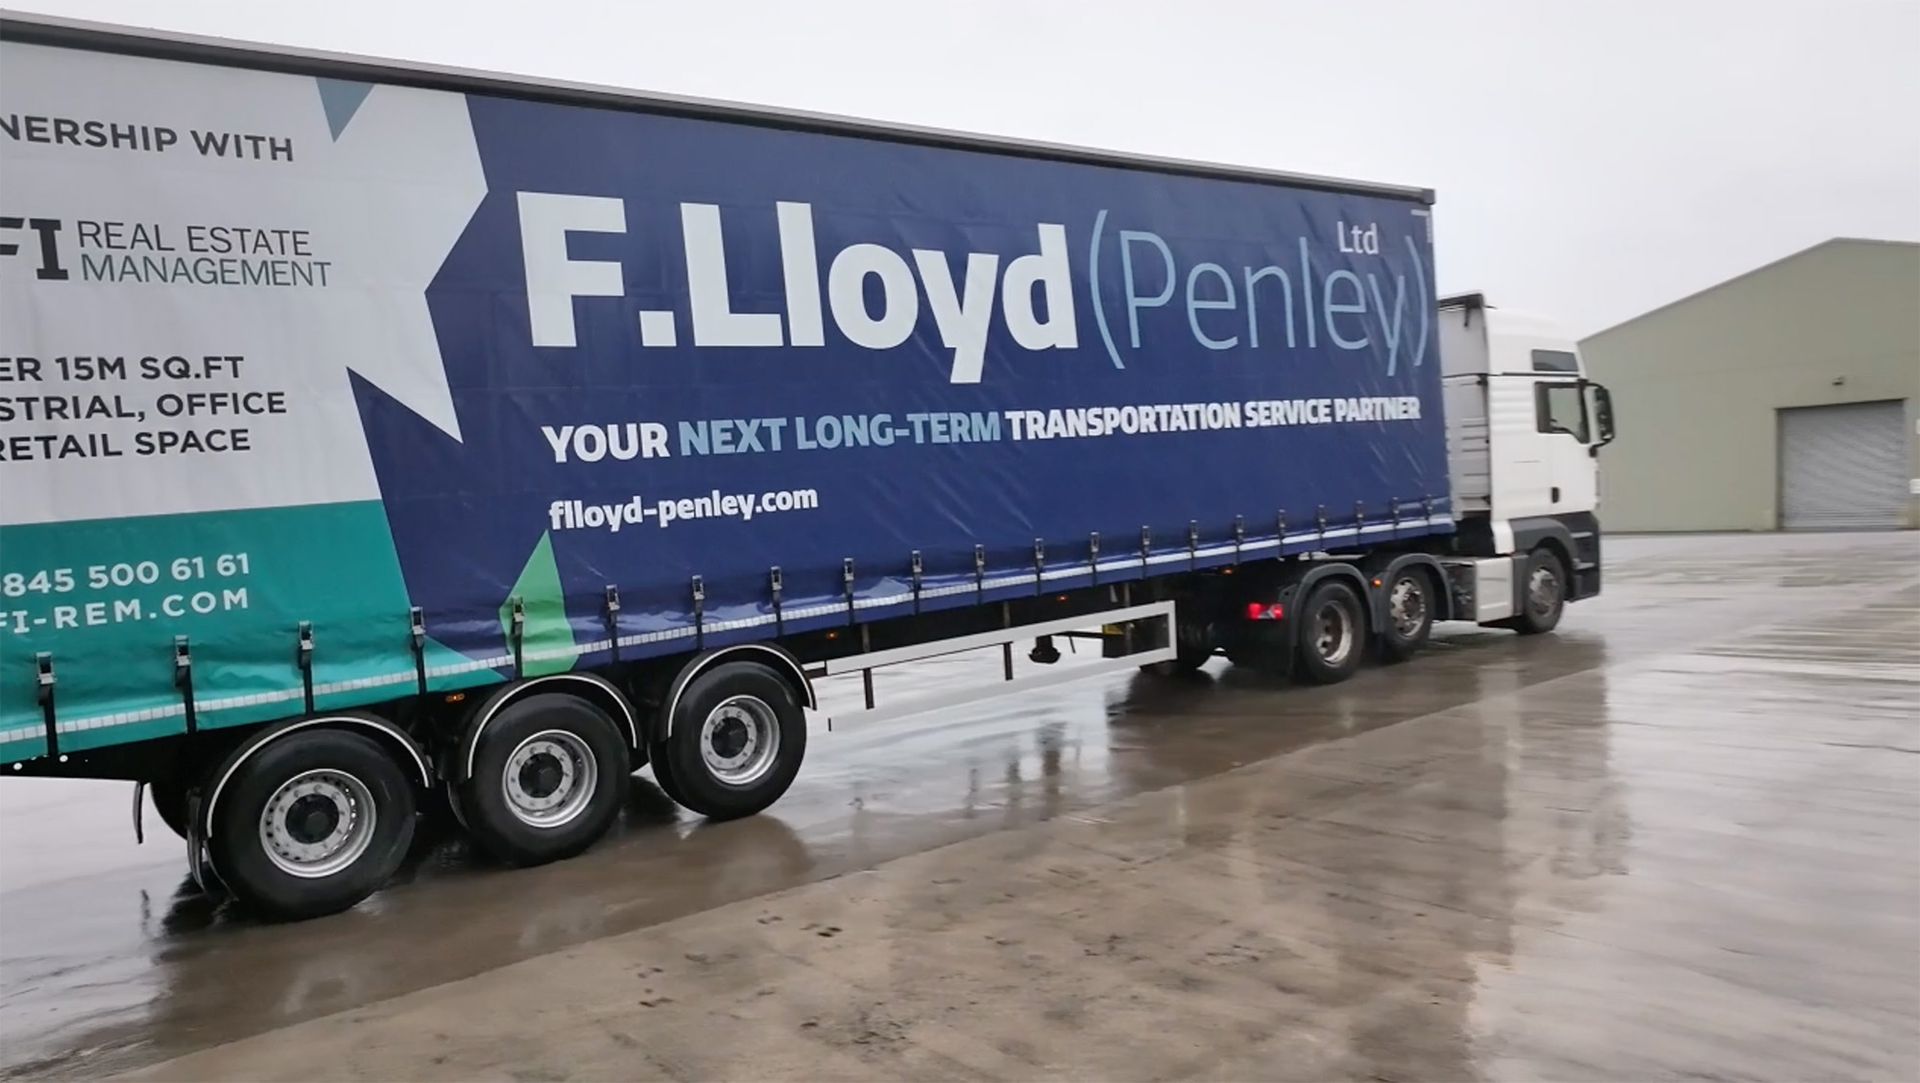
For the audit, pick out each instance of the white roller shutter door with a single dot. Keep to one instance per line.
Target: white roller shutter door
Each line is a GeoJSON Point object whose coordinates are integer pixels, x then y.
{"type": "Point", "coordinates": [1843, 467]}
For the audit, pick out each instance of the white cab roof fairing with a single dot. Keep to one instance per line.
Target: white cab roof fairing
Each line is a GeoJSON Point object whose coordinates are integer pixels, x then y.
{"type": "Point", "coordinates": [1503, 320]}
{"type": "Point", "coordinates": [1502, 338]}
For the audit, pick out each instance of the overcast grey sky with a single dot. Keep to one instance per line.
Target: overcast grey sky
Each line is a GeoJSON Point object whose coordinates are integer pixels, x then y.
{"type": "Point", "coordinates": [1593, 160]}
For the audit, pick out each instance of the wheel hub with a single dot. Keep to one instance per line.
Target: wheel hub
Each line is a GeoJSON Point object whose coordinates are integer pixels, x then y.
{"type": "Point", "coordinates": [312, 819]}
{"type": "Point", "coordinates": [732, 739]}
{"type": "Point", "coordinates": [1333, 633]}
{"type": "Point", "coordinates": [1543, 590]}
{"type": "Point", "coordinates": [1408, 607]}
{"type": "Point", "coordinates": [550, 778]}
{"type": "Point", "coordinates": [740, 740]}
{"type": "Point", "coordinates": [541, 776]}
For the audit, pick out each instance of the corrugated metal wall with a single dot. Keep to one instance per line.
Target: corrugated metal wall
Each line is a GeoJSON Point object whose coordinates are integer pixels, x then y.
{"type": "Point", "coordinates": [1843, 467]}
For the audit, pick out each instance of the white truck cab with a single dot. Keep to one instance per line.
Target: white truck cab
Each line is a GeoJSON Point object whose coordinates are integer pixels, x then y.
{"type": "Point", "coordinates": [1524, 430]}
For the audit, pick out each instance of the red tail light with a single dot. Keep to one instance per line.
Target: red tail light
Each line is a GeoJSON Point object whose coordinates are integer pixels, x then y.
{"type": "Point", "coordinates": [1263, 611]}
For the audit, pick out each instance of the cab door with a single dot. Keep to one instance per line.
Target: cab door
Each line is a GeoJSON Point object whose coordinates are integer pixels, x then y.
{"type": "Point", "coordinates": [1565, 435]}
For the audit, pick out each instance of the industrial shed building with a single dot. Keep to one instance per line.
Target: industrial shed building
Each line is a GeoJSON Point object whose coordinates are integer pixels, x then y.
{"type": "Point", "coordinates": [1785, 399]}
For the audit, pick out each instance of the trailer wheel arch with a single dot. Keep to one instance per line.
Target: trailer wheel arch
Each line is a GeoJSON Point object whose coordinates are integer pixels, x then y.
{"type": "Point", "coordinates": [593, 688]}
{"type": "Point", "coordinates": [770, 655]}
{"type": "Point", "coordinates": [391, 737]}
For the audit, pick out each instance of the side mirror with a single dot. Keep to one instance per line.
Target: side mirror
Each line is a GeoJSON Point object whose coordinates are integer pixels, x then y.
{"type": "Point", "coordinates": [1603, 414]}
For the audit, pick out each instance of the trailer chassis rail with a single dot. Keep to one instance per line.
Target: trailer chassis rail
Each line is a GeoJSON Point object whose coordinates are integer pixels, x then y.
{"type": "Point", "coordinates": [1004, 638]}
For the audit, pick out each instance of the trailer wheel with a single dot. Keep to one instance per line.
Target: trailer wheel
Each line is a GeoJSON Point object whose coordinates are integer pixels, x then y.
{"type": "Point", "coordinates": [1193, 640]}
{"type": "Point", "coordinates": [170, 802]}
{"type": "Point", "coordinates": [1193, 644]}
{"type": "Point", "coordinates": [450, 792]}
{"type": "Point", "coordinates": [1331, 634]}
{"type": "Point", "coordinates": [312, 823]}
{"type": "Point", "coordinates": [663, 774]}
{"type": "Point", "coordinates": [1409, 615]}
{"type": "Point", "coordinates": [736, 741]}
{"type": "Point", "coordinates": [1543, 594]}
{"type": "Point", "coordinates": [548, 779]}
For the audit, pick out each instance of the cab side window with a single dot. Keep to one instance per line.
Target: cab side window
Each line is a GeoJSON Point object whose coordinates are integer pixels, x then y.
{"type": "Point", "coordinates": [1560, 408]}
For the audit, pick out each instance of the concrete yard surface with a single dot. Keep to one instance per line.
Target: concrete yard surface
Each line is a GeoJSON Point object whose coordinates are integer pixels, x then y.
{"type": "Point", "coordinates": [1678, 838]}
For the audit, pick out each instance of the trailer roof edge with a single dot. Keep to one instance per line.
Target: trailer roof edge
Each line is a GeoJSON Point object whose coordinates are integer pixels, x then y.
{"type": "Point", "coordinates": [59, 31]}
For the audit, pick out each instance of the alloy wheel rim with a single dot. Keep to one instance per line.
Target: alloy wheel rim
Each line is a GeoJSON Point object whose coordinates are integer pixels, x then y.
{"type": "Point", "coordinates": [1333, 633]}
{"type": "Point", "coordinates": [318, 823]}
{"type": "Point", "coordinates": [740, 740]}
{"type": "Point", "coordinates": [1408, 607]}
{"type": "Point", "coordinates": [550, 779]}
{"type": "Point", "coordinates": [1543, 591]}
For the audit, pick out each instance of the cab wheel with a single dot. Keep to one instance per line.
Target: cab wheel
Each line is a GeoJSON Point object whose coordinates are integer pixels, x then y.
{"type": "Point", "coordinates": [1409, 615]}
{"type": "Point", "coordinates": [1543, 594]}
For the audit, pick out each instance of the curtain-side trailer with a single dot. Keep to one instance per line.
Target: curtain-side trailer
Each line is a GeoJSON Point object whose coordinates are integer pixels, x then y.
{"type": "Point", "coordinates": [376, 434]}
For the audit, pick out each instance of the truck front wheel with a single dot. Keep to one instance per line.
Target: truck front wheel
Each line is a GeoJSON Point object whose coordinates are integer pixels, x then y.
{"type": "Point", "coordinates": [312, 823]}
{"type": "Point", "coordinates": [735, 742]}
{"type": "Point", "coordinates": [1543, 594]}
{"type": "Point", "coordinates": [549, 776]}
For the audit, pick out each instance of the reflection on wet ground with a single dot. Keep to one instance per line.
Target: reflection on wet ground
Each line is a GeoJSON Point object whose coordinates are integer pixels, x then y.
{"type": "Point", "coordinates": [1681, 835]}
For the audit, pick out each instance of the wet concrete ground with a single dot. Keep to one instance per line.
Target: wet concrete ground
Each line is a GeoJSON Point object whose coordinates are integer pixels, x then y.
{"type": "Point", "coordinates": [1681, 837]}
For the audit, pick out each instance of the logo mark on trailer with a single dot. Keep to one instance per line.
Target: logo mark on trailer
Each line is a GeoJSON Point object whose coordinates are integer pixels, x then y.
{"type": "Point", "coordinates": [1300, 302]}
{"type": "Point", "coordinates": [962, 311]}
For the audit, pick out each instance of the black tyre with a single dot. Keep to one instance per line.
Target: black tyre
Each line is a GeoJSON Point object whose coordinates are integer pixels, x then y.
{"type": "Point", "coordinates": [1193, 640]}
{"type": "Point", "coordinates": [1409, 614]}
{"type": "Point", "coordinates": [1194, 643]}
{"type": "Point", "coordinates": [549, 776]}
{"type": "Point", "coordinates": [663, 774]}
{"type": "Point", "coordinates": [450, 794]}
{"type": "Point", "coordinates": [1332, 633]}
{"type": "Point", "coordinates": [312, 823]}
{"type": "Point", "coordinates": [737, 739]}
{"type": "Point", "coordinates": [170, 803]}
{"type": "Point", "coordinates": [1543, 594]}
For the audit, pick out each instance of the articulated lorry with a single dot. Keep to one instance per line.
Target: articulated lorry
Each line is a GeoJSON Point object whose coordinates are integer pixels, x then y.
{"type": "Point", "coordinates": [374, 435]}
